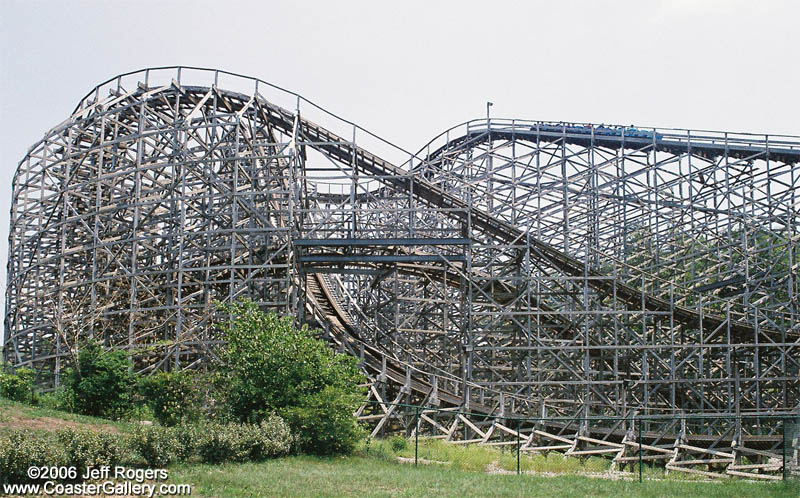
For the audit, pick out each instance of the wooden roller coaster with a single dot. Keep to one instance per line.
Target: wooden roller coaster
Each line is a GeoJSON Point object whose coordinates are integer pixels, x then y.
{"type": "Point", "coordinates": [590, 290]}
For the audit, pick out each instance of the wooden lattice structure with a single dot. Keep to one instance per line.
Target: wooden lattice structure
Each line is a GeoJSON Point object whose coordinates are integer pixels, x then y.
{"type": "Point", "coordinates": [511, 267]}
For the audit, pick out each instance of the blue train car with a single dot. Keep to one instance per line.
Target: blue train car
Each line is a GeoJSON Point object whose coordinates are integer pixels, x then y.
{"type": "Point", "coordinates": [615, 131]}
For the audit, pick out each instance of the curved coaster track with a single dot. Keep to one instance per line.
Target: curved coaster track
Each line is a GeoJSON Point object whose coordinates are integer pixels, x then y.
{"type": "Point", "coordinates": [601, 288]}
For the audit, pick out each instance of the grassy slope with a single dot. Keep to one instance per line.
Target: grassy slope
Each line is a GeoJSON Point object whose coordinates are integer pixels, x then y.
{"type": "Point", "coordinates": [21, 416]}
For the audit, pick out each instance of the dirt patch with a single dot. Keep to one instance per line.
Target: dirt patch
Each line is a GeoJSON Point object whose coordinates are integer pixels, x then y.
{"type": "Point", "coordinates": [52, 424]}
{"type": "Point", "coordinates": [422, 461]}
{"type": "Point", "coordinates": [613, 475]}
{"type": "Point", "coordinates": [495, 468]}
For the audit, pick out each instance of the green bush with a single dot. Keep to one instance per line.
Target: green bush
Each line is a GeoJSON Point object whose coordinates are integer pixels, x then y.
{"type": "Point", "coordinates": [216, 397]}
{"type": "Point", "coordinates": [245, 442]}
{"type": "Point", "coordinates": [272, 366]}
{"type": "Point", "coordinates": [61, 399]}
{"type": "Point", "coordinates": [269, 439]}
{"type": "Point", "coordinates": [188, 436]}
{"type": "Point", "coordinates": [173, 396]}
{"type": "Point", "coordinates": [222, 443]}
{"type": "Point", "coordinates": [86, 448]}
{"type": "Point", "coordinates": [159, 446]}
{"type": "Point", "coordinates": [20, 449]}
{"type": "Point", "coordinates": [325, 423]}
{"type": "Point", "coordinates": [103, 382]}
{"type": "Point", "coordinates": [140, 412]}
{"type": "Point", "coordinates": [17, 385]}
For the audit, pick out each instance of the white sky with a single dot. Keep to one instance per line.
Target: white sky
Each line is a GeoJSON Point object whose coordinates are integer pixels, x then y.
{"type": "Point", "coordinates": [407, 70]}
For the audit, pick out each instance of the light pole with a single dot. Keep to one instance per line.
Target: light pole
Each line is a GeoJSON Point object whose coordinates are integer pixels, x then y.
{"type": "Point", "coordinates": [488, 105]}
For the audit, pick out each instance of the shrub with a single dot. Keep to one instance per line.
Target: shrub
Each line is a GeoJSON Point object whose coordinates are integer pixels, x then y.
{"type": "Point", "coordinates": [140, 412]}
{"type": "Point", "coordinates": [216, 396]}
{"type": "Point", "coordinates": [324, 422]}
{"type": "Point", "coordinates": [222, 443]}
{"type": "Point", "coordinates": [86, 448]}
{"type": "Point", "coordinates": [17, 385]}
{"type": "Point", "coordinates": [159, 446]}
{"type": "Point", "coordinates": [243, 442]}
{"type": "Point", "coordinates": [173, 396]}
{"type": "Point", "coordinates": [188, 437]}
{"type": "Point", "coordinates": [61, 399]}
{"type": "Point", "coordinates": [269, 439]}
{"type": "Point", "coordinates": [20, 449]}
{"type": "Point", "coordinates": [272, 366]}
{"type": "Point", "coordinates": [103, 383]}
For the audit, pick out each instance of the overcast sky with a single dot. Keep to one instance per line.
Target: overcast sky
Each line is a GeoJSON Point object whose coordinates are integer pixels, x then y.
{"type": "Point", "coordinates": [407, 70]}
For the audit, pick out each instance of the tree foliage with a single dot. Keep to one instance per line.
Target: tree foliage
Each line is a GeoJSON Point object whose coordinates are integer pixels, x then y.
{"type": "Point", "coordinates": [324, 421]}
{"type": "Point", "coordinates": [271, 366]}
{"type": "Point", "coordinates": [174, 396]}
{"type": "Point", "coordinates": [103, 382]}
{"type": "Point", "coordinates": [17, 384]}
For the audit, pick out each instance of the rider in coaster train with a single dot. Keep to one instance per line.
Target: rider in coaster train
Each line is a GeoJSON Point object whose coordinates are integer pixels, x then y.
{"type": "Point", "coordinates": [617, 131]}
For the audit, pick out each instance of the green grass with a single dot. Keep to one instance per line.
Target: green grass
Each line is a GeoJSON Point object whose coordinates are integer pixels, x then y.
{"type": "Point", "coordinates": [478, 458]}
{"type": "Point", "coordinates": [371, 476]}
{"type": "Point", "coordinates": [375, 470]}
